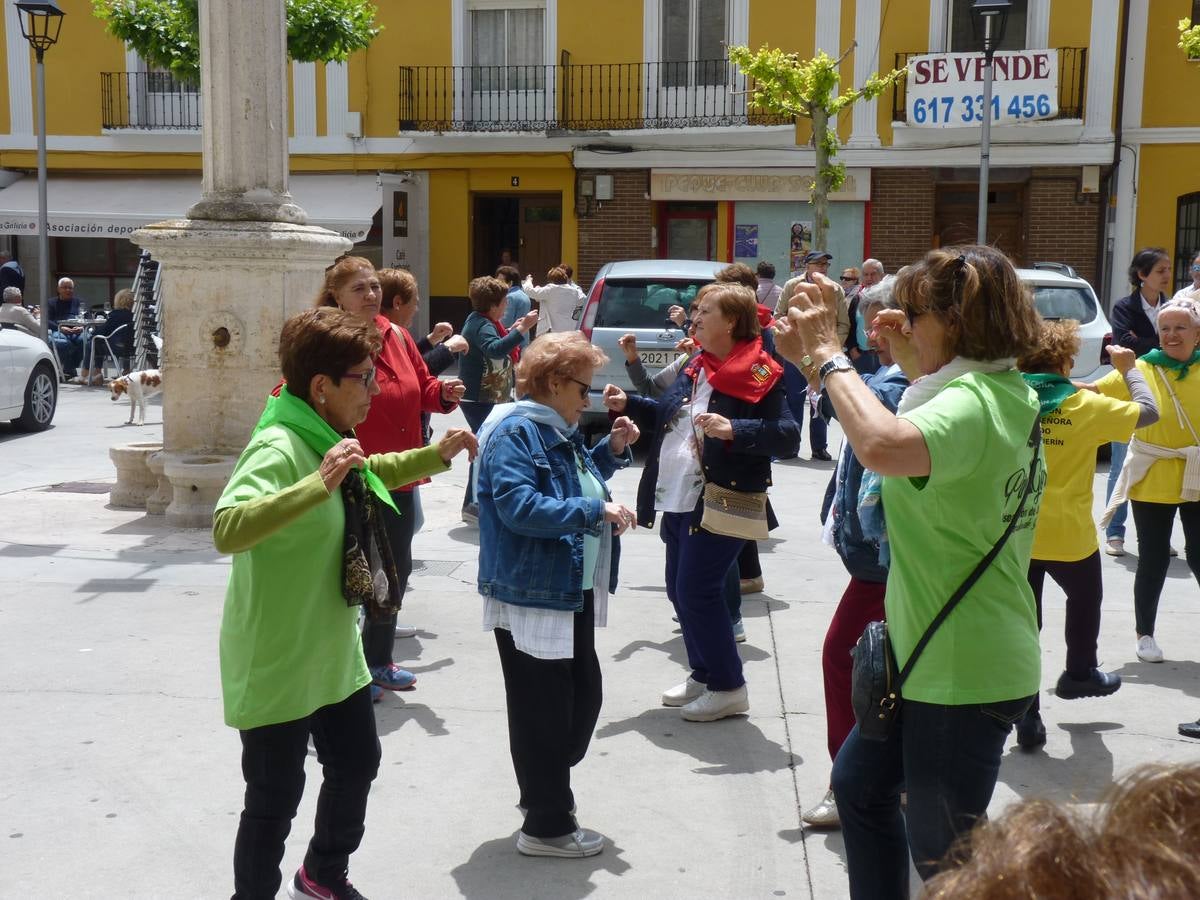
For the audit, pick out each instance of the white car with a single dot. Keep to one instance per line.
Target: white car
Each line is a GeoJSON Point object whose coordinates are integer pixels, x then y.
{"type": "Point", "coordinates": [28, 380]}
{"type": "Point", "coordinates": [1058, 293]}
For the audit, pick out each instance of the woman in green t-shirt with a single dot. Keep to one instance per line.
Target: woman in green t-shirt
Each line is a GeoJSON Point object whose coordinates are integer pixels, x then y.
{"type": "Point", "coordinates": [956, 461]}
{"type": "Point", "coordinates": [302, 515]}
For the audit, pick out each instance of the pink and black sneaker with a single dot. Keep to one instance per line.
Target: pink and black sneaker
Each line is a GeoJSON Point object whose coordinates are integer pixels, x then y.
{"type": "Point", "coordinates": [302, 886]}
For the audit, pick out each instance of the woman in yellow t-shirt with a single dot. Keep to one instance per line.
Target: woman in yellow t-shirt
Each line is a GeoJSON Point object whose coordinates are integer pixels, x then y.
{"type": "Point", "coordinates": [1162, 473]}
{"type": "Point", "coordinates": [1074, 424]}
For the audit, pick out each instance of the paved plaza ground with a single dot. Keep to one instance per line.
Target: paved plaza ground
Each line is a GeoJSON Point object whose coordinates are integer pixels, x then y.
{"type": "Point", "coordinates": [119, 778]}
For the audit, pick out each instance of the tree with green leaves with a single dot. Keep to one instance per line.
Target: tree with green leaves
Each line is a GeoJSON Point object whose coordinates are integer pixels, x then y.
{"type": "Point", "coordinates": [785, 84]}
{"type": "Point", "coordinates": [166, 33]}
{"type": "Point", "coordinates": [1189, 38]}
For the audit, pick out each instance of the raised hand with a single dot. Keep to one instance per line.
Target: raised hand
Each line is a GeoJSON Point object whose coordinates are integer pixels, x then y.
{"type": "Point", "coordinates": [441, 331]}
{"type": "Point", "coordinates": [454, 441]}
{"type": "Point", "coordinates": [1123, 358]}
{"type": "Point", "coordinates": [614, 398]}
{"type": "Point", "coordinates": [453, 390]}
{"type": "Point", "coordinates": [526, 322]}
{"type": "Point", "coordinates": [628, 343]}
{"type": "Point", "coordinates": [624, 434]}
{"type": "Point", "coordinates": [343, 456]}
{"type": "Point", "coordinates": [457, 344]}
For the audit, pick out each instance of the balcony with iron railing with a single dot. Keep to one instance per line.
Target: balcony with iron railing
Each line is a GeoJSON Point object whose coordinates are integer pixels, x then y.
{"type": "Point", "coordinates": [578, 97]}
{"type": "Point", "coordinates": [151, 101]}
{"type": "Point", "coordinates": [1072, 84]}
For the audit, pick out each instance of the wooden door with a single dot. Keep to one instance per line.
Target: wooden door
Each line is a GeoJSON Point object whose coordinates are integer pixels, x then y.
{"type": "Point", "coordinates": [540, 229]}
{"type": "Point", "coordinates": [957, 212]}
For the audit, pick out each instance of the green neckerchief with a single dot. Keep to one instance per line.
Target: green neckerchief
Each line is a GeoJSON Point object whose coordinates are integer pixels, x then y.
{"type": "Point", "coordinates": [1052, 390]}
{"type": "Point", "coordinates": [293, 413]}
{"type": "Point", "coordinates": [1160, 358]}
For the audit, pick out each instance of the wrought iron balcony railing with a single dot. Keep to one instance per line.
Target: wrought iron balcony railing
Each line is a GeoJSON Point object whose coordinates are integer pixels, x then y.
{"type": "Point", "coordinates": [148, 100]}
{"type": "Point", "coordinates": [578, 97]}
{"type": "Point", "coordinates": [1072, 84]}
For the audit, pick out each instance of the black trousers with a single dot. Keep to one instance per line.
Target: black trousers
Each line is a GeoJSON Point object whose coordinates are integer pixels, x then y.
{"type": "Point", "coordinates": [273, 766]}
{"type": "Point", "coordinates": [1084, 586]}
{"type": "Point", "coordinates": [377, 637]}
{"type": "Point", "coordinates": [1155, 522]}
{"type": "Point", "coordinates": [553, 705]}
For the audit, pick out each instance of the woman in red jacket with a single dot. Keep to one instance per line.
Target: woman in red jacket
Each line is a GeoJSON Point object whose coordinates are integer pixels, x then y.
{"type": "Point", "coordinates": [406, 389]}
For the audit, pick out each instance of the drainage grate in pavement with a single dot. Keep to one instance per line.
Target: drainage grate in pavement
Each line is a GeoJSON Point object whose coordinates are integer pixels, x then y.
{"type": "Point", "coordinates": [433, 567]}
{"type": "Point", "coordinates": [81, 487]}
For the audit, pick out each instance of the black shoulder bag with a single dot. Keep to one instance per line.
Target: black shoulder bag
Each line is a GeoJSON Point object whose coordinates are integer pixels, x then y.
{"type": "Point", "coordinates": [874, 685]}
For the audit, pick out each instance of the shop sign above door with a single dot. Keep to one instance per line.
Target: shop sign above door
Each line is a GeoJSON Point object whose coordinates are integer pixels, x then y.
{"type": "Point", "coordinates": [750, 184]}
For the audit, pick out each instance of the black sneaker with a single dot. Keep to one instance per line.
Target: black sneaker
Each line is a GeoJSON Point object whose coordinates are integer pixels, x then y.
{"type": "Point", "coordinates": [1190, 729]}
{"type": "Point", "coordinates": [1096, 684]}
{"type": "Point", "coordinates": [822, 455]}
{"type": "Point", "coordinates": [302, 886]}
{"type": "Point", "coordinates": [1031, 733]}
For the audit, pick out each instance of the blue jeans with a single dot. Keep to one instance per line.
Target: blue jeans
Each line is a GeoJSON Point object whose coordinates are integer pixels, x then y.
{"type": "Point", "coordinates": [795, 386]}
{"type": "Point", "coordinates": [947, 758]}
{"type": "Point", "coordinates": [70, 349]}
{"type": "Point", "coordinates": [1116, 526]}
{"type": "Point", "coordinates": [698, 563]}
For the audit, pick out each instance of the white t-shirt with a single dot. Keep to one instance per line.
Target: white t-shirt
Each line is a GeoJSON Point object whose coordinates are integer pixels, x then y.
{"type": "Point", "coordinates": [1151, 311]}
{"type": "Point", "coordinates": [680, 480]}
{"type": "Point", "coordinates": [1191, 292]}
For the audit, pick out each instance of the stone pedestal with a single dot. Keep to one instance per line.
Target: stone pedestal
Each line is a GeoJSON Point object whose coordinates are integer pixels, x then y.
{"type": "Point", "coordinates": [160, 499]}
{"type": "Point", "coordinates": [135, 481]}
{"type": "Point", "coordinates": [196, 485]}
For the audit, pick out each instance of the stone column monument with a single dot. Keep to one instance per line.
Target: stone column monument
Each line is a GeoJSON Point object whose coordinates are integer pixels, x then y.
{"type": "Point", "coordinates": [239, 265]}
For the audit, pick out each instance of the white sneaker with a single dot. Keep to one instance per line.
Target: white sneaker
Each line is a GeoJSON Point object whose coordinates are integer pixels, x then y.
{"type": "Point", "coordinates": [403, 631]}
{"type": "Point", "coordinates": [683, 694]}
{"type": "Point", "coordinates": [824, 814]}
{"type": "Point", "coordinates": [1115, 547]}
{"type": "Point", "coordinates": [579, 843]}
{"type": "Point", "coordinates": [1148, 649]}
{"type": "Point", "coordinates": [713, 705]}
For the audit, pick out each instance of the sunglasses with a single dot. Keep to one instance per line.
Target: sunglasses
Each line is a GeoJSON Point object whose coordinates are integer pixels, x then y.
{"type": "Point", "coordinates": [583, 387]}
{"type": "Point", "coordinates": [367, 378]}
{"type": "Point", "coordinates": [849, 278]}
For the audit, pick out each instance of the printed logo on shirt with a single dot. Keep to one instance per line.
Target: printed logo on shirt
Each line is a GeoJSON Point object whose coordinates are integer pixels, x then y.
{"type": "Point", "coordinates": [760, 373]}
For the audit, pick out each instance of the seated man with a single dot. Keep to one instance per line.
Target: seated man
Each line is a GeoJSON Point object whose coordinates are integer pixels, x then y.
{"type": "Point", "coordinates": [13, 313]}
{"type": "Point", "coordinates": [67, 339]}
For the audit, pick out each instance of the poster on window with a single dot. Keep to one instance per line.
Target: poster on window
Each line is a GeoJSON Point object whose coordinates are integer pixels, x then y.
{"type": "Point", "coordinates": [945, 90]}
{"type": "Point", "coordinates": [801, 243]}
{"type": "Point", "coordinates": [745, 241]}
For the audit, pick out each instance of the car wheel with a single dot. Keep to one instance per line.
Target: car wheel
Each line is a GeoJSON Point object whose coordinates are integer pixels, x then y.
{"type": "Point", "coordinates": [41, 399]}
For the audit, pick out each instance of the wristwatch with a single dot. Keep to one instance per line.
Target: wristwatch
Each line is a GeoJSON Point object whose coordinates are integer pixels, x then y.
{"type": "Point", "coordinates": [838, 363]}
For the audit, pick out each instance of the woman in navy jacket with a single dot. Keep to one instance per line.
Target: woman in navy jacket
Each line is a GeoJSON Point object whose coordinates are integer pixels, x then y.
{"type": "Point", "coordinates": [722, 420]}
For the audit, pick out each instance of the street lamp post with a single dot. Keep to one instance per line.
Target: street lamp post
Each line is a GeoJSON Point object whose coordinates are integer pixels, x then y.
{"type": "Point", "coordinates": [40, 24]}
{"type": "Point", "coordinates": [992, 17]}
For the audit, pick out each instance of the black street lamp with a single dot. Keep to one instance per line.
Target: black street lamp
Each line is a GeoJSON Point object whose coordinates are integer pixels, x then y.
{"type": "Point", "coordinates": [989, 18]}
{"type": "Point", "coordinates": [40, 25]}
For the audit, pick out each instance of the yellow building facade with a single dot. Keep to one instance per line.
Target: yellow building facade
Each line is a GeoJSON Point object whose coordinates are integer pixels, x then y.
{"type": "Point", "coordinates": [565, 130]}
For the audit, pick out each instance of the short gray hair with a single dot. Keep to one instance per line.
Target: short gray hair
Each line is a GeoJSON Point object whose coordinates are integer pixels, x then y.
{"type": "Point", "coordinates": [12, 294]}
{"type": "Point", "coordinates": [879, 295]}
{"type": "Point", "coordinates": [65, 280]}
{"type": "Point", "coordinates": [1184, 304]}
{"type": "Point", "coordinates": [874, 263]}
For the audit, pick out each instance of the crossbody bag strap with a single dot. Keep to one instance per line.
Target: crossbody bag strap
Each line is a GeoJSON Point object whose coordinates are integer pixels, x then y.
{"type": "Point", "coordinates": [1179, 411]}
{"type": "Point", "coordinates": [1035, 440]}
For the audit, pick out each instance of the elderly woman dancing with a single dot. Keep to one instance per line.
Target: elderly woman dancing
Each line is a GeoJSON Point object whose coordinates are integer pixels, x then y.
{"type": "Point", "coordinates": [302, 515]}
{"type": "Point", "coordinates": [547, 564]}
{"type": "Point", "coordinates": [721, 422]}
{"type": "Point", "coordinates": [956, 462]}
{"type": "Point", "coordinates": [1162, 472]}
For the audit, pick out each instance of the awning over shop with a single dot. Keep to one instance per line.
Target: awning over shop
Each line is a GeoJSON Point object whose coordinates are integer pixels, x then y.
{"type": "Point", "coordinates": [115, 206]}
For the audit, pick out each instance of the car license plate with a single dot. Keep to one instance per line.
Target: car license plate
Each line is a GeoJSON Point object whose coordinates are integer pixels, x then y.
{"type": "Point", "coordinates": [657, 359]}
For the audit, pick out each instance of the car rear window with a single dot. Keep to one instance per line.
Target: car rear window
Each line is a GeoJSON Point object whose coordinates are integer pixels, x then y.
{"type": "Point", "coordinates": [642, 302]}
{"type": "Point", "coordinates": [1061, 302]}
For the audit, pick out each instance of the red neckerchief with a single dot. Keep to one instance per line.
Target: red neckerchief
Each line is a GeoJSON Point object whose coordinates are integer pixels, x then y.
{"type": "Point", "coordinates": [766, 318]}
{"type": "Point", "coordinates": [747, 373]}
{"type": "Point", "coordinates": [515, 352]}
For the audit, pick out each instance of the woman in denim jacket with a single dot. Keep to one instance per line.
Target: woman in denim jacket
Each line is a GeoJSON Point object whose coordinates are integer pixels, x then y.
{"type": "Point", "coordinates": [722, 421]}
{"type": "Point", "coordinates": [547, 563]}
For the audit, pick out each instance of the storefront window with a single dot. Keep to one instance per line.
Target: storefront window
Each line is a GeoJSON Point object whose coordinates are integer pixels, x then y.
{"type": "Point", "coordinates": [99, 267]}
{"type": "Point", "coordinates": [962, 30]}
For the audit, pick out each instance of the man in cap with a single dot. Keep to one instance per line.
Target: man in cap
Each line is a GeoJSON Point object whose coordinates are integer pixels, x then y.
{"type": "Point", "coordinates": [795, 384]}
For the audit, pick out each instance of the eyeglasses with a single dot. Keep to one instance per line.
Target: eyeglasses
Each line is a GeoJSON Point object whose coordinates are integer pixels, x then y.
{"type": "Point", "coordinates": [583, 387]}
{"type": "Point", "coordinates": [912, 315]}
{"type": "Point", "coordinates": [1196, 267]}
{"type": "Point", "coordinates": [849, 278]}
{"type": "Point", "coordinates": [367, 378]}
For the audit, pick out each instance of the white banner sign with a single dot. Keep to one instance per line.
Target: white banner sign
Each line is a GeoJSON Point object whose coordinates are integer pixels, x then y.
{"type": "Point", "coordinates": [945, 90]}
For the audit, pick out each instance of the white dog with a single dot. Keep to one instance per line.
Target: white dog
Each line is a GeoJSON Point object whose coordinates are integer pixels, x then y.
{"type": "Point", "coordinates": [139, 386]}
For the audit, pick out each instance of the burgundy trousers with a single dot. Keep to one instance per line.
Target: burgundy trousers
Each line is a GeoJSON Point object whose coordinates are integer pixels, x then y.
{"type": "Point", "coordinates": [861, 604]}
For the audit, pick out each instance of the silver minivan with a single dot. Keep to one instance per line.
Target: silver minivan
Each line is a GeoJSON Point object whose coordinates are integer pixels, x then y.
{"type": "Point", "coordinates": [633, 297]}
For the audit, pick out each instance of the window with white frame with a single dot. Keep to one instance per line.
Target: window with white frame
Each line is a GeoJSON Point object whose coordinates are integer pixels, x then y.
{"type": "Point", "coordinates": [694, 37]}
{"type": "Point", "coordinates": [508, 45]}
{"type": "Point", "coordinates": [966, 35]}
